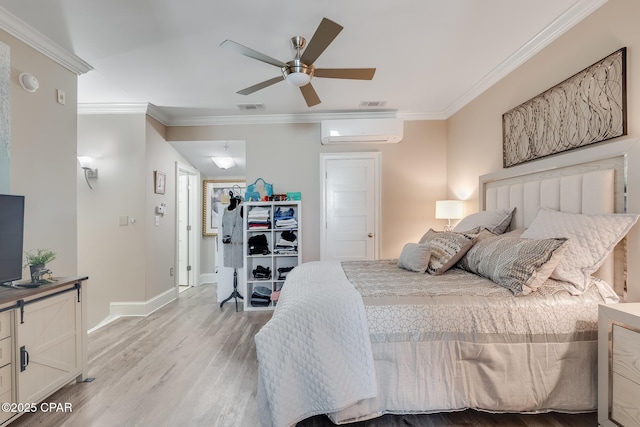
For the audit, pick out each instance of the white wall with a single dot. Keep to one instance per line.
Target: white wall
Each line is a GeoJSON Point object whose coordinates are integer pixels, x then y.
{"type": "Point", "coordinates": [128, 265]}
{"type": "Point", "coordinates": [112, 255]}
{"type": "Point", "coordinates": [43, 155]}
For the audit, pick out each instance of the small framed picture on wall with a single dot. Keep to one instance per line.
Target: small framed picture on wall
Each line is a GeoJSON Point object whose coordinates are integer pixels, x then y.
{"type": "Point", "coordinates": [160, 182]}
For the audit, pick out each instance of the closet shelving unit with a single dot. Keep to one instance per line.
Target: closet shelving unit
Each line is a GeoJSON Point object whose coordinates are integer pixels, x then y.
{"type": "Point", "coordinates": [271, 260]}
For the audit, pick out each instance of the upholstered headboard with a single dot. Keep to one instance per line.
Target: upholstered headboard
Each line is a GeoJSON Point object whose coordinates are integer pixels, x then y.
{"type": "Point", "coordinates": [588, 188]}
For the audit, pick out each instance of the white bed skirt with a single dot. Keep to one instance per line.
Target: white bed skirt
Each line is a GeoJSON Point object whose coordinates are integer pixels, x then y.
{"type": "Point", "coordinates": [445, 376]}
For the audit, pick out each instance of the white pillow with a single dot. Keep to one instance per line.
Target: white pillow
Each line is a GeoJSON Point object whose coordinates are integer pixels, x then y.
{"type": "Point", "coordinates": [591, 239]}
{"type": "Point", "coordinates": [497, 221]}
{"type": "Point", "coordinates": [414, 257]}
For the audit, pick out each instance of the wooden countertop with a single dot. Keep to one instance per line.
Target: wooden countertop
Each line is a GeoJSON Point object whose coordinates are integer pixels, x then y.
{"type": "Point", "coordinates": [9, 294]}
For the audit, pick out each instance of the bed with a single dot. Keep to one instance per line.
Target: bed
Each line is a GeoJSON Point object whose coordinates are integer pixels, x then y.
{"type": "Point", "coordinates": [499, 318]}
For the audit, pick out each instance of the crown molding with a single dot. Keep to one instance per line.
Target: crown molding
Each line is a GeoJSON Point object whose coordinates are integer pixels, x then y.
{"type": "Point", "coordinates": [294, 118]}
{"type": "Point", "coordinates": [23, 32]}
{"type": "Point", "coordinates": [114, 108]}
{"type": "Point", "coordinates": [167, 120]}
{"type": "Point", "coordinates": [576, 13]}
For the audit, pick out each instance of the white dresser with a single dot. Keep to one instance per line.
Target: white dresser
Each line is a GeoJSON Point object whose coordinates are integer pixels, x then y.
{"type": "Point", "coordinates": [619, 365]}
{"type": "Point", "coordinates": [43, 342]}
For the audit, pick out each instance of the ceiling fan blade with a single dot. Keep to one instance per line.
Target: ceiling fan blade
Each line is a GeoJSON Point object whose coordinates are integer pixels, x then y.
{"type": "Point", "coordinates": [310, 95]}
{"type": "Point", "coordinates": [345, 73]}
{"type": "Point", "coordinates": [259, 86]}
{"type": "Point", "coordinates": [322, 38]}
{"type": "Point", "coordinates": [247, 51]}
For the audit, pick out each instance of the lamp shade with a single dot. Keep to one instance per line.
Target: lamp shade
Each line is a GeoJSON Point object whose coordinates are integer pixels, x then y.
{"type": "Point", "coordinates": [86, 162]}
{"type": "Point", "coordinates": [448, 209]}
{"type": "Point", "coordinates": [224, 162]}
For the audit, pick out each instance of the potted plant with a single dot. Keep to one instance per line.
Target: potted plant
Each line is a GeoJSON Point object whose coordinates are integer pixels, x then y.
{"type": "Point", "coordinates": [36, 259]}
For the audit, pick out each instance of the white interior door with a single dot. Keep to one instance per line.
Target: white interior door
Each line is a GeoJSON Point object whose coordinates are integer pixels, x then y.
{"type": "Point", "coordinates": [187, 248]}
{"type": "Point", "coordinates": [351, 206]}
{"type": "Point", "coordinates": [183, 229]}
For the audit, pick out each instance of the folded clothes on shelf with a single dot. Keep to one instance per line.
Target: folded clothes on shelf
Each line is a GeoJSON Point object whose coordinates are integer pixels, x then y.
{"type": "Point", "coordinates": [285, 218]}
{"type": "Point", "coordinates": [283, 271]}
{"type": "Point", "coordinates": [258, 245]}
{"type": "Point", "coordinates": [287, 244]}
{"type": "Point", "coordinates": [262, 273]}
{"type": "Point", "coordinates": [261, 296]}
{"type": "Point", "coordinates": [259, 218]}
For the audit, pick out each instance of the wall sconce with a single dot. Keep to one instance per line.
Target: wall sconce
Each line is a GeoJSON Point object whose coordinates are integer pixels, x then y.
{"type": "Point", "coordinates": [86, 163]}
{"type": "Point", "coordinates": [28, 82]}
{"type": "Point", "coordinates": [448, 209]}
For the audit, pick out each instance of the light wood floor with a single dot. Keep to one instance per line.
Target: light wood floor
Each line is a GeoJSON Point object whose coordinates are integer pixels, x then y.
{"type": "Point", "coordinates": [194, 364]}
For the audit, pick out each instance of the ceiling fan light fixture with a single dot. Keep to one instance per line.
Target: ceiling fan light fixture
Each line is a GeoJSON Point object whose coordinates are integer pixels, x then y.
{"type": "Point", "coordinates": [298, 79]}
{"type": "Point", "coordinates": [297, 74]}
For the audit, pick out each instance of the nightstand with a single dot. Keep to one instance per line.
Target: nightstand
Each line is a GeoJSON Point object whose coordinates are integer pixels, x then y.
{"type": "Point", "coordinates": [619, 365]}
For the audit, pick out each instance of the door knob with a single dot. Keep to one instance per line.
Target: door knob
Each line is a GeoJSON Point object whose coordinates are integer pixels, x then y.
{"type": "Point", "coordinates": [370, 235]}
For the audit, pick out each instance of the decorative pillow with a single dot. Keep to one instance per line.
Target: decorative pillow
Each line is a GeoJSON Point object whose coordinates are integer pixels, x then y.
{"type": "Point", "coordinates": [520, 265]}
{"type": "Point", "coordinates": [414, 257]}
{"type": "Point", "coordinates": [591, 239]}
{"type": "Point", "coordinates": [446, 248]}
{"type": "Point", "coordinates": [497, 221]}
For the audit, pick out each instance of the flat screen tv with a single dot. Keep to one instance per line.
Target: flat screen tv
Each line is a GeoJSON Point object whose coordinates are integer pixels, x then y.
{"type": "Point", "coordinates": [11, 237]}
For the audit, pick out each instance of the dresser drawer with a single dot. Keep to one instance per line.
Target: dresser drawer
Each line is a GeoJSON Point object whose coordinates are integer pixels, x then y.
{"type": "Point", "coordinates": [5, 379]}
{"type": "Point", "coordinates": [5, 398]}
{"type": "Point", "coordinates": [624, 406]}
{"type": "Point", "coordinates": [5, 324]}
{"type": "Point", "coordinates": [5, 351]}
{"type": "Point", "coordinates": [626, 348]}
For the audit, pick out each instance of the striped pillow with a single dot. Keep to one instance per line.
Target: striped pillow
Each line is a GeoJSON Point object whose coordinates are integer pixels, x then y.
{"type": "Point", "coordinates": [446, 249]}
{"type": "Point", "coordinates": [520, 265]}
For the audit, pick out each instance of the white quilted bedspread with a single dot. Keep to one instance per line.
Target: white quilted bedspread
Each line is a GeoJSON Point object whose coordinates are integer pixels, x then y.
{"type": "Point", "coordinates": [314, 354]}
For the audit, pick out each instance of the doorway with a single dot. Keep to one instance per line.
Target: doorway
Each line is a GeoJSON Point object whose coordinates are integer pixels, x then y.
{"type": "Point", "coordinates": [350, 211]}
{"type": "Point", "coordinates": [186, 214]}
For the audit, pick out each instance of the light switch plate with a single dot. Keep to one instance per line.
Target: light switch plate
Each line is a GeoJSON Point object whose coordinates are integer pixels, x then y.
{"type": "Point", "coordinates": [61, 96]}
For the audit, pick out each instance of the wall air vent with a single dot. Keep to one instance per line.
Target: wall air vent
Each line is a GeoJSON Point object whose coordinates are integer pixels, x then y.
{"type": "Point", "coordinates": [354, 131]}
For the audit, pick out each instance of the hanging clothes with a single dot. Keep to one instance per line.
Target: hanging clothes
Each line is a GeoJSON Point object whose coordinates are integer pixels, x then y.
{"type": "Point", "coordinates": [232, 236]}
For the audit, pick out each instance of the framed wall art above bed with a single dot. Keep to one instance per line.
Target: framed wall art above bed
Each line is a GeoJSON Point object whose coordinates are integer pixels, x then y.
{"type": "Point", "coordinates": [586, 108]}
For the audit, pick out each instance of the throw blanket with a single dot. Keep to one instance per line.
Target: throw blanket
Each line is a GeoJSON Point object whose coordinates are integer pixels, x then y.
{"type": "Point", "coordinates": [314, 354]}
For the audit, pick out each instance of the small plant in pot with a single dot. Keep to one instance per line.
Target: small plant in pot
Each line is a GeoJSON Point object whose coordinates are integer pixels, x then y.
{"type": "Point", "coordinates": [37, 259]}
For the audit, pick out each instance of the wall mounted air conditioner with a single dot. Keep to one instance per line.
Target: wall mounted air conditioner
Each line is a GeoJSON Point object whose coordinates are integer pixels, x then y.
{"type": "Point", "coordinates": [373, 131]}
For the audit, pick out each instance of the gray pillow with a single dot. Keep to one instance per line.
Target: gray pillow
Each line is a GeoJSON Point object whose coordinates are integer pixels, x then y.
{"type": "Point", "coordinates": [520, 265]}
{"type": "Point", "coordinates": [497, 221]}
{"type": "Point", "coordinates": [414, 257]}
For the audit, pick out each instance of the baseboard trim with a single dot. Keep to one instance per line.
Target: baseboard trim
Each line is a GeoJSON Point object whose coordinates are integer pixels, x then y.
{"type": "Point", "coordinates": [140, 309]}
{"type": "Point", "coordinates": [207, 278]}
{"type": "Point", "coordinates": [143, 308]}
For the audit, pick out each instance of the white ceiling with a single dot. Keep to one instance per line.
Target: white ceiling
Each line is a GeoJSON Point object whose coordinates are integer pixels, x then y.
{"type": "Point", "coordinates": [432, 56]}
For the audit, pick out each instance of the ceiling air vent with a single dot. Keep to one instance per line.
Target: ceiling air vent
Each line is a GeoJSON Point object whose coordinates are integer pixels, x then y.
{"type": "Point", "coordinates": [251, 106]}
{"type": "Point", "coordinates": [372, 104]}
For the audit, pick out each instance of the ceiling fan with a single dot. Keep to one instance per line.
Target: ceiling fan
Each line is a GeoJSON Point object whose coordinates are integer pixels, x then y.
{"type": "Point", "coordinates": [300, 70]}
